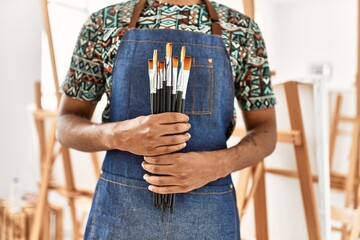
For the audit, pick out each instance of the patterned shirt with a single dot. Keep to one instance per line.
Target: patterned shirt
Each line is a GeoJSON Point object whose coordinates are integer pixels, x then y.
{"type": "Point", "coordinates": [90, 73]}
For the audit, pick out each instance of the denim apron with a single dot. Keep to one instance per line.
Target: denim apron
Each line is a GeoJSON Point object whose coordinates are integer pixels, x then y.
{"type": "Point", "coordinates": [122, 207]}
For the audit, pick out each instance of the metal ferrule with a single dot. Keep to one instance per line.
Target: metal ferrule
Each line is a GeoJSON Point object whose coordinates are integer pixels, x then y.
{"type": "Point", "coordinates": [180, 81]}
{"type": "Point", "coordinates": [174, 80]}
{"type": "Point", "coordinates": [153, 81]}
{"type": "Point", "coordinates": [168, 71]}
{"type": "Point", "coordinates": [185, 77]}
{"type": "Point", "coordinates": [161, 79]}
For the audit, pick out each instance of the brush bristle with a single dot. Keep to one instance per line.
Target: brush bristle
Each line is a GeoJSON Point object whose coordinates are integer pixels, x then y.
{"type": "Point", "coordinates": [175, 62]}
{"type": "Point", "coordinates": [158, 68]}
{"type": "Point", "coordinates": [155, 56]}
{"type": "Point", "coordinates": [161, 65]}
{"type": "Point", "coordinates": [183, 53]}
{"type": "Point", "coordinates": [151, 64]}
{"type": "Point", "coordinates": [187, 63]}
{"type": "Point", "coordinates": [169, 48]}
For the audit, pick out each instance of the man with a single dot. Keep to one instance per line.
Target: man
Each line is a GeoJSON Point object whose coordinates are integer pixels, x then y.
{"type": "Point", "coordinates": [177, 153]}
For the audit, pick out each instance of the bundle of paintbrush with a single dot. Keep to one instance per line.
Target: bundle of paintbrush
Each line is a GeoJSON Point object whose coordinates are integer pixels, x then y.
{"type": "Point", "coordinates": [168, 94]}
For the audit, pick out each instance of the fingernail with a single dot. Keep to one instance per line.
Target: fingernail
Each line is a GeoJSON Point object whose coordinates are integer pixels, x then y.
{"type": "Point", "coordinates": [145, 176]}
{"type": "Point", "coordinates": [184, 144]}
{"type": "Point", "coordinates": [151, 188]}
{"type": "Point", "coordinates": [189, 135]}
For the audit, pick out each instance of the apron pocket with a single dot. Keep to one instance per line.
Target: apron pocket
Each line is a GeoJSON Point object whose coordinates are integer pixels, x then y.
{"type": "Point", "coordinates": [199, 97]}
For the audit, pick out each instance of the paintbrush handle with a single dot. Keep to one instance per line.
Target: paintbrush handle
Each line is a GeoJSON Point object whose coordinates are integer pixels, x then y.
{"type": "Point", "coordinates": [173, 102]}
{"type": "Point", "coordinates": [179, 101]}
{"type": "Point", "coordinates": [168, 99]}
{"type": "Point", "coordinates": [182, 105]}
{"type": "Point", "coordinates": [157, 101]}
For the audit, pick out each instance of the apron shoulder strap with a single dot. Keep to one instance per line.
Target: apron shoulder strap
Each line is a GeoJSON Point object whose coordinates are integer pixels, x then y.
{"type": "Point", "coordinates": [215, 25]}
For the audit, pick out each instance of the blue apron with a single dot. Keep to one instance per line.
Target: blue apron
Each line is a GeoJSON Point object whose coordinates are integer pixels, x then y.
{"type": "Point", "coordinates": [122, 207]}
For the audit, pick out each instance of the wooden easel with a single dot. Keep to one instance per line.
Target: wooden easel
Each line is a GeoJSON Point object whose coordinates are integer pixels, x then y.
{"type": "Point", "coordinates": [50, 149]}
{"type": "Point", "coordinates": [296, 137]}
{"type": "Point", "coordinates": [349, 183]}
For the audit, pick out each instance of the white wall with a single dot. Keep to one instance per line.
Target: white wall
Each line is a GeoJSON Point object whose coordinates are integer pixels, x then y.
{"type": "Point", "coordinates": [296, 33]}
{"type": "Point", "coordinates": [19, 65]}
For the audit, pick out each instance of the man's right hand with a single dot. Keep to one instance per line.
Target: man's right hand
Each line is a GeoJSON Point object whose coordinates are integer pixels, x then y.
{"type": "Point", "coordinates": [151, 135]}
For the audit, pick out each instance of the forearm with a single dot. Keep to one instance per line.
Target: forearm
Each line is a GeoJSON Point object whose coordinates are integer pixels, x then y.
{"type": "Point", "coordinates": [254, 147]}
{"type": "Point", "coordinates": [81, 134]}
{"type": "Point", "coordinates": [145, 135]}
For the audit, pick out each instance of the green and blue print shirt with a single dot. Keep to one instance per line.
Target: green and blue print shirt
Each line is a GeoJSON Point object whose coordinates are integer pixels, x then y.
{"type": "Point", "coordinates": [90, 73]}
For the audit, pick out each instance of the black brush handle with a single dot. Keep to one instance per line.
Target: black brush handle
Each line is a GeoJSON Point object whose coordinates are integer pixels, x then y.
{"type": "Point", "coordinates": [183, 105]}
{"type": "Point", "coordinates": [179, 101]}
{"type": "Point", "coordinates": [168, 99]}
{"type": "Point", "coordinates": [173, 102]}
{"type": "Point", "coordinates": [157, 101]}
{"type": "Point", "coordinates": [152, 97]}
{"type": "Point", "coordinates": [164, 97]}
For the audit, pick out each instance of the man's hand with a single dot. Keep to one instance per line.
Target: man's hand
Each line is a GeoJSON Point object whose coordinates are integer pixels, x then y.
{"type": "Point", "coordinates": [152, 135]}
{"type": "Point", "coordinates": [146, 135]}
{"type": "Point", "coordinates": [182, 172]}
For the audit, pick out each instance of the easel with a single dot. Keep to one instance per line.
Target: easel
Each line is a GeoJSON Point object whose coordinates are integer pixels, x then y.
{"type": "Point", "coordinates": [348, 183]}
{"type": "Point", "coordinates": [49, 152]}
{"type": "Point", "coordinates": [296, 137]}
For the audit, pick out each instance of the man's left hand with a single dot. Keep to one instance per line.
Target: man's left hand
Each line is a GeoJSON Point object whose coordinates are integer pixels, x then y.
{"type": "Point", "coordinates": [181, 172]}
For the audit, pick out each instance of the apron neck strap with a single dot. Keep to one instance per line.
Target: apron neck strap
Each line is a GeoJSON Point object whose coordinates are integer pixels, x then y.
{"type": "Point", "coordinates": [215, 25]}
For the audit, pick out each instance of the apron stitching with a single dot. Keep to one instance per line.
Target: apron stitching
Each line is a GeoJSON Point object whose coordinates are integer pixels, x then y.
{"type": "Point", "coordinates": [193, 92]}
{"type": "Point", "coordinates": [182, 43]}
{"type": "Point", "coordinates": [209, 193]}
{"type": "Point", "coordinates": [174, 30]}
{"type": "Point", "coordinates": [168, 226]}
{"type": "Point", "coordinates": [121, 184]}
{"type": "Point", "coordinates": [93, 220]}
{"type": "Point", "coordinates": [211, 70]}
{"type": "Point", "coordinates": [234, 211]}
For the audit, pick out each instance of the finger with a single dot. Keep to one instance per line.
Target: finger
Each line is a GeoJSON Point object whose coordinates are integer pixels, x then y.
{"type": "Point", "coordinates": [176, 128]}
{"type": "Point", "coordinates": [171, 117]}
{"type": "Point", "coordinates": [161, 180]}
{"type": "Point", "coordinates": [167, 149]}
{"type": "Point", "coordinates": [160, 160]}
{"type": "Point", "coordinates": [169, 140]}
{"type": "Point", "coordinates": [158, 169]}
{"type": "Point", "coordinates": [168, 189]}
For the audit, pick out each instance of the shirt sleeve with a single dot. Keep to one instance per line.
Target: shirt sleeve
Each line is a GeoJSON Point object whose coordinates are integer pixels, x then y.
{"type": "Point", "coordinates": [253, 82]}
{"type": "Point", "coordinates": [84, 79]}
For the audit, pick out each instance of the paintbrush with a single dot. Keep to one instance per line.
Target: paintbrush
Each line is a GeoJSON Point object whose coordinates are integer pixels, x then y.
{"type": "Point", "coordinates": [168, 69]}
{"type": "Point", "coordinates": [174, 83]}
{"type": "Point", "coordinates": [185, 76]}
{"type": "Point", "coordinates": [154, 82]}
{"type": "Point", "coordinates": [158, 88]}
{"type": "Point", "coordinates": [151, 78]}
{"type": "Point", "coordinates": [180, 81]}
{"type": "Point", "coordinates": [162, 86]}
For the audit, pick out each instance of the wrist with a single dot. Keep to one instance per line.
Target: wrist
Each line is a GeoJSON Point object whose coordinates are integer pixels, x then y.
{"type": "Point", "coordinates": [109, 136]}
{"type": "Point", "coordinates": [220, 164]}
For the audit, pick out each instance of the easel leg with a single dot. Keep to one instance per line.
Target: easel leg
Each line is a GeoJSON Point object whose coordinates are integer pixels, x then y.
{"type": "Point", "coordinates": [42, 202]}
{"type": "Point", "coordinates": [260, 209]}
{"type": "Point", "coordinates": [96, 164]}
{"type": "Point", "coordinates": [351, 177]}
{"type": "Point", "coordinates": [241, 190]}
{"type": "Point", "coordinates": [70, 185]}
{"type": "Point", "coordinates": [334, 128]}
{"type": "Point", "coordinates": [303, 162]}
